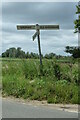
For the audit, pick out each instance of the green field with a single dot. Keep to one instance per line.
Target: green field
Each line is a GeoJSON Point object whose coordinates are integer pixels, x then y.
{"type": "Point", "coordinates": [56, 82]}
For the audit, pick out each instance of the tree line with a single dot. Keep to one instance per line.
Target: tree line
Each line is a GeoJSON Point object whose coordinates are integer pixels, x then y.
{"type": "Point", "coordinates": [19, 53]}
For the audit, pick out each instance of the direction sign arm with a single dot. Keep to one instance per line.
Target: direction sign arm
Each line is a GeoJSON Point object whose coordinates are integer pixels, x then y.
{"type": "Point", "coordinates": [49, 27]}
{"type": "Point", "coordinates": [25, 27]}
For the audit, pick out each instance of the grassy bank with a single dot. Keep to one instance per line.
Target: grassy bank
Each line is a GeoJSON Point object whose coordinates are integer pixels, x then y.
{"type": "Point", "coordinates": [56, 83]}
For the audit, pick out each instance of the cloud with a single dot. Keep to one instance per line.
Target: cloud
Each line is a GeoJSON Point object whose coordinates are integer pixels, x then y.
{"type": "Point", "coordinates": [42, 13]}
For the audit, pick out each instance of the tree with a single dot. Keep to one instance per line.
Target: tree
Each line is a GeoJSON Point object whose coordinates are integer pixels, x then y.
{"type": "Point", "coordinates": [50, 55]}
{"type": "Point", "coordinates": [77, 21]}
{"type": "Point", "coordinates": [46, 56]}
{"type": "Point", "coordinates": [75, 51]}
{"type": "Point", "coordinates": [20, 53]}
{"type": "Point", "coordinates": [14, 53]}
{"type": "Point", "coordinates": [4, 54]}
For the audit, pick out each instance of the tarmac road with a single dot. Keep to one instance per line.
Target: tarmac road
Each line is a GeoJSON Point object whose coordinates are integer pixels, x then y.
{"type": "Point", "coordinates": [14, 109]}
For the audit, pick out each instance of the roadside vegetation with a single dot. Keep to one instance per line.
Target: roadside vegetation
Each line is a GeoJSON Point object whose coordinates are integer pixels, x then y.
{"type": "Point", "coordinates": [57, 83]}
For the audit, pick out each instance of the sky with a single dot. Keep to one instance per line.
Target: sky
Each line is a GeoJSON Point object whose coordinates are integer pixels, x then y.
{"type": "Point", "coordinates": [62, 13]}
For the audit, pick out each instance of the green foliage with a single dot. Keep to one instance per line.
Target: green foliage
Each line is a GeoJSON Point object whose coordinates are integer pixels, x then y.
{"type": "Point", "coordinates": [57, 71]}
{"type": "Point", "coordinates": [78, 9]}
{"type": "Point", "coordinates": [14, 53]}
{"type": "Point", "coordinates": [22, 78]}
{"type": "Point", "coordinates": [77, 21]}
{"type": "Point", "coordinates": [75, 51]}
{"type": "Point", "coordinates": [18, 53]}
{"type": "Point", "coordinates": [50, 55]}
{"type": "Point", "coordinates": [64, 93]}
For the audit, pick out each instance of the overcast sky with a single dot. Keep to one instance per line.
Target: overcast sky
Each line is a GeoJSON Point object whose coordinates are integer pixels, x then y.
{"type": "Point", "coordinates": [41, 13]}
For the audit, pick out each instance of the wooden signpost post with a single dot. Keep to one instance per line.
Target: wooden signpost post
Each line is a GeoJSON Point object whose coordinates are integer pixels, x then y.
{"type": "Point", "coordinates": [37, 34]}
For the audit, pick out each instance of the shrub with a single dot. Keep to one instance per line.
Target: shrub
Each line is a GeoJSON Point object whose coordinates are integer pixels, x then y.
{"type": "Point", "coordinates": [57, 71]}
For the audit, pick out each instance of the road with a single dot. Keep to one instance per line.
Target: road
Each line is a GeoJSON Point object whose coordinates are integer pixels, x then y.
{"type": "Point", "coordinates": [14, 109]}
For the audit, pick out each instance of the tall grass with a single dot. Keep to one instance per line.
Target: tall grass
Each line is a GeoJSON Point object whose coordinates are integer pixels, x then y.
{"type": "Point", "coordinates": [23, 79]}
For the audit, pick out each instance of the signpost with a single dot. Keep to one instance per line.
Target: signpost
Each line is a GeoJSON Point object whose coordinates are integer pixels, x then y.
{"type": "Point", "coordinates": [37, 34]}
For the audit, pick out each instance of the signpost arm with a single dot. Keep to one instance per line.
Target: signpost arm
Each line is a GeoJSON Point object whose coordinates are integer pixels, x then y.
{"type": "Point", "coordinates": [39, 46]}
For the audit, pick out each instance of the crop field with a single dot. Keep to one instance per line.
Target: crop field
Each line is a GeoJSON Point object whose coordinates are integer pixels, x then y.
{"type": "Point", "coordinates": [56, 82]}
